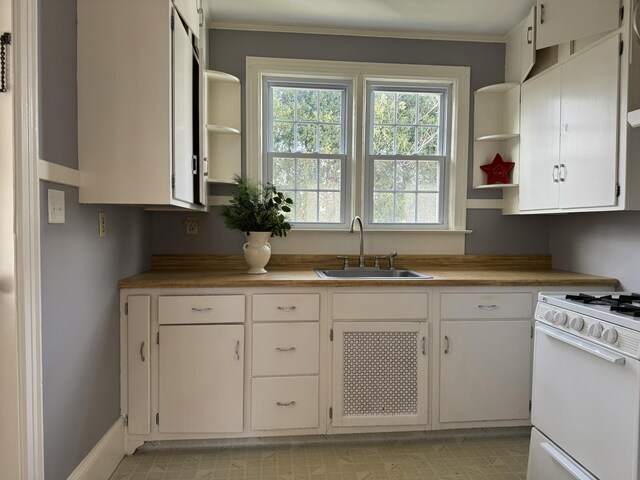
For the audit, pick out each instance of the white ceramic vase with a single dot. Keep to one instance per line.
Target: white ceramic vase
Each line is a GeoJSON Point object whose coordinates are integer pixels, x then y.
{"type": "Point", "coordinates": [257, 251]}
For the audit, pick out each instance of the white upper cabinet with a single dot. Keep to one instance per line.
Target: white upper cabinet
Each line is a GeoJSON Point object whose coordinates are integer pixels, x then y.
{"type": "Point", "coordinates": [569, 133]}
{"type": "Point", "coordinates": [190, 12]}
{"type": "Point", "coordinates": [528, 45]}
{"type": "Point", "coordinates": [540, 142]}
{"type": "Point", "coordinates": [139, 106]}
{"type": "Point", "coordinates": [560, 21]}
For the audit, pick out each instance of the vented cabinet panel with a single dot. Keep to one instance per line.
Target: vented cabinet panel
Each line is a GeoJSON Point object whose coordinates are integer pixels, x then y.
{"type": "Point", "coordinates": [380, 372]}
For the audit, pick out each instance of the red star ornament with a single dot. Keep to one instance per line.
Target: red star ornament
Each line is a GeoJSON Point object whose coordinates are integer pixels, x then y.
{"type": "Point", "coordinates": [498, 170]}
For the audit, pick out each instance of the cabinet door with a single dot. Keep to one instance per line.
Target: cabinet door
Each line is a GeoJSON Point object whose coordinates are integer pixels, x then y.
{"type": "Point", "coordinates": [201, 378]}
{"type": "Point", "coordinates": [183, 108]}
{"type": "Point", "coordinates": [380, 373]}
{"type": "Point", "coordinates": [560, 21]}
{"type": "Point", "coordinates": [589, 127]}
{"type": "Point", "coordinates": [485, 369]}
{"type": "Point", "coordinates": [528, 45]}
{"type": "Point", "coordinates": [138, 371]}
{"type": "Point", "coordinates": [540, 142]}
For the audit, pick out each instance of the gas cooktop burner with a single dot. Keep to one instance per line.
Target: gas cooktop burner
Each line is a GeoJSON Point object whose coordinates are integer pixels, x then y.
{"type": "Point", "coordinates": [627, 304]}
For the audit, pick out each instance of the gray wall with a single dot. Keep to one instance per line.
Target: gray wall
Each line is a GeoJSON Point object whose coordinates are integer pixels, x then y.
{"type": "Point", "coordinates": [227, 52]}
{"type": "Point", "coordinates": [598, 243]}
{"type": "Point", "coordinates": [80, 319]}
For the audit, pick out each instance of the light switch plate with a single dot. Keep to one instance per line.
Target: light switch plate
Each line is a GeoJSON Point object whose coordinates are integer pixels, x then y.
{"type": "Point", "coordinates": [55, 206]}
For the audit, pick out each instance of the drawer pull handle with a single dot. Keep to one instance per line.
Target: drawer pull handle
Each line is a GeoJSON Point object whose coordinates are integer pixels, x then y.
{"type": "Point", "coordinates": [200, 310]}
{"type": "Point", "coordinates": [292, 403]}
{"type": "Point", "coordinates": [142, 352]}
{"type": "Point", "coordinates": [446, 344]}
{"type": "Point", "coordinates": [287, 309]}
{"type": "Point", "coordinates": [238, 350]}
{"type": "Point", "coordinates": [424, 345]}
{"type": "Point", "coordinates": [488, 307]}
{"type": "Point", "coordinates": [288, 349]}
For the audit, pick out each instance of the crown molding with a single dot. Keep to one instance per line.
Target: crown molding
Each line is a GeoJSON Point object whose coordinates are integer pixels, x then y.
{"type": "Point", "coordinates": [357, 32]}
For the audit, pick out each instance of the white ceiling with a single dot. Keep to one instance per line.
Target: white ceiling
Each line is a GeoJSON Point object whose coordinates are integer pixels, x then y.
{"type": "Point", "coordinates": [490, 18]}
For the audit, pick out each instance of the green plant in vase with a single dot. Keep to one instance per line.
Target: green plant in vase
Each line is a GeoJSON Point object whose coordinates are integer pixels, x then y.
{"type": "Point", "coordinates": [258, 210]}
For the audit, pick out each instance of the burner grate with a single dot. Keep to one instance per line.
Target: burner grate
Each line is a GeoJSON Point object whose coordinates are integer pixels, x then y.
{"type": "Point", "coordinates": [625, 303]}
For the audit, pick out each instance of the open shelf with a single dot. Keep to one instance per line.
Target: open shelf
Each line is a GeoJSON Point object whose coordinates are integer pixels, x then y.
{"type": "Point", "coordinates": [496, 185]}
{"type": "Point", "coordinates": [496, 126]}
{"type": "Point", "coordinates": [499, 137]}
{"type": "Point", "coordinates": [223, 139]}
{"type": "Point", "coordinates": [223, 129]}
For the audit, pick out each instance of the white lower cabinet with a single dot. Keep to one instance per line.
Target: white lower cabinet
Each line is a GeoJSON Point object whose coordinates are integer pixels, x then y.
{"type": "Point", "coordinates": [484, 370]}
{"type": "Point", "coordinates": [284, 402]}
{"type": "Point", "coordinates": [379, 373]}
{"type": "Point", "coordinates": [229, 363]}
{"type": "Point", "coordinates": [201, 378]}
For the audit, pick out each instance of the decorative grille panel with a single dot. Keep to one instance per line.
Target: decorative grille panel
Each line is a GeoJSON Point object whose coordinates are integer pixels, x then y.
{"type": "Point", "coordinates": [380, 374]}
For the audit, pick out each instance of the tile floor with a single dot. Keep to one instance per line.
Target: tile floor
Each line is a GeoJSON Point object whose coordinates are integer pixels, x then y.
{"type": "Point", "coordinates": [503, 458]}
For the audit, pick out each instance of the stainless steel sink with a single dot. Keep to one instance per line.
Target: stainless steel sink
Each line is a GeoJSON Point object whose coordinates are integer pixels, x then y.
{"type": "Point", "coordinates": [371, 273]}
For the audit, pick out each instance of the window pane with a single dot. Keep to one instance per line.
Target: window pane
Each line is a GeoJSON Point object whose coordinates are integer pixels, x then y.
{"type": "Point", "coordinates": [292, 195]}
{"type": "Point", "coordinates": [428, 176]}
{"type": "Point", "coordinates": [406, 140]}
{"type": "Point", "coordinates": [407, 107]}
{"type": "Point", "coordinates": [306, 138]}
{"type": "Point", "coordinates": [383, 140]}
{"type": "Point", "coordinates": [282, 137]}
{"type": "Point", "coordinates": [307, 105]}
{"type": "Point", "coordinates": [383, 207]}
{"type": "Point", "coordinates": [429, 109]}
{"type": "Point", "coordinates": [306, 206]}
{"type": "Point", "coordinates": [284, 173]}
{"type": "Point", "coordinates": [428, 139]}
{"type": "Point", "coordinates": [428, 208]}
{"type": "Point", "coordinates": [329, 207]}
{"type": "Point", "coordinates": [406, 175]}
{"type": "Point", "coordinates": [383, 174]}
{"type": "Point", "coordinates": [330, 174]}
{"type": "Point", "coordinates": [329, 139]}
{"type": "Point", "coordinates": [283, 104]}
{"type": "Point", "coordinates": [307, 173]}
{"type": "Point", "coordinates": [330, 106]}
{"type": "Point", "coordinates": [405, 208]}
{"type": "Point", "coordinates": [384, 107]}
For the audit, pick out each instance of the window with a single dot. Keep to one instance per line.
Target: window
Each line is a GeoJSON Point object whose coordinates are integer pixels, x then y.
{"type": "Point", "coordinates": [306, 147]}
{"type": "Point", "coordinates": [387, 142]}
{"type": "Point", "coordinates": [406, 154]}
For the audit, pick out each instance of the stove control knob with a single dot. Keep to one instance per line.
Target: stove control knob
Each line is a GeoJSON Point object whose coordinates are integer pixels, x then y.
{"type": "Point", "coordinates": [610, 336]}
{"type": "Point", "coordinates": [595, 330]}
{"type": "Point", "coordinates": [577, 323]}
{"type": "Point", "coordinates": [560, 318]}
{"type": "Point", "coordinates": [548, 316]}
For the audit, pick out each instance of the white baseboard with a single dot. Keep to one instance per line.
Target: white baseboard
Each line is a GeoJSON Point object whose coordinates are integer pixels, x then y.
{"type": "Point", "coordinates": [104, 458]}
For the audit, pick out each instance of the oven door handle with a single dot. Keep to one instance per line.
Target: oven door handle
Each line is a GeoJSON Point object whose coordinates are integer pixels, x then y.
{"type": "Point", "coordinates": [581, 344]}
{"type": "Point", "coordinates": [560, 458]}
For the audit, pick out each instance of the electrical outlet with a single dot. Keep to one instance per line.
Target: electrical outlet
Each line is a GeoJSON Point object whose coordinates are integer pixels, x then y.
{"type": "Point", "coordinates": [55, 206]}
{"type": "Point", "coordinates": [191, 226]}
{"type": "Point", "coordinates": [102, 224]}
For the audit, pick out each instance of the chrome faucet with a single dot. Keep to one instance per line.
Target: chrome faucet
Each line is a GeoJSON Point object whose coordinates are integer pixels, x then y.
{"type": "Point", "coordinates": [353, 222]}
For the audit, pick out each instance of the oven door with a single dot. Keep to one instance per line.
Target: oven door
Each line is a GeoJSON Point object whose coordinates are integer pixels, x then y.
{"type": "Point", "coordinates": [547, 461]}
{"type": "Point", "coordinates": [586, 399]}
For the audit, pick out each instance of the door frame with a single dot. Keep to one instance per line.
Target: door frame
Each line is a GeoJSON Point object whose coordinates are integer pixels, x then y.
{"type": "Point", "coordinates": [27, 234]}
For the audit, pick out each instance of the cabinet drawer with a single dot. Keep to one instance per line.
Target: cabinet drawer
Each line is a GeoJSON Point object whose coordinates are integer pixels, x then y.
{"type": "Point", "coordinates": [486, 305]}
{"type": "Point", "coordinates": [380, 306]}
{"type": "Point", "coordinates": [284, 402]}
{"type": "Point", "coordinates": [286, 348]}
{"type": "Point", "coordinates": [194, 309]}
{"type": "Point", "coordinates": [286, 307]}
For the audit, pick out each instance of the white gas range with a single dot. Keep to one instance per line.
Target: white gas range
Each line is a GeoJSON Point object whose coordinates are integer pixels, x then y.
{"type": "Point", "coordinates": [586, 387]}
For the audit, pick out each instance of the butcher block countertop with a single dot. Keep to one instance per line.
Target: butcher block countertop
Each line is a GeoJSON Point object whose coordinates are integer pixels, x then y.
{"type": "Point", "coordinates": [219, 271]}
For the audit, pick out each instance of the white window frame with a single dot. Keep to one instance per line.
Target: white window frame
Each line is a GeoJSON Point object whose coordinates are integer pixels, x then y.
{"type": "Point", "coordinates": [346, 155]}
{"type": "Point", "coordinates": [444, 140]}
{"type": "Point", "coordinates": [456, 77]}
